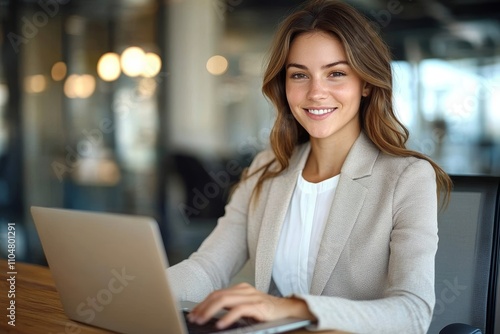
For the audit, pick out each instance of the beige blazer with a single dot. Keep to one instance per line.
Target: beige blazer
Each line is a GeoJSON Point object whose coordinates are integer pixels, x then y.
{"type": "Point", "coordinates": [375, 268]}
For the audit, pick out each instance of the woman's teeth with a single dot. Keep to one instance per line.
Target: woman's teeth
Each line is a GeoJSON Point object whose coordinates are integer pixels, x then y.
{"type": "Point", "coordinates": [319, 111]}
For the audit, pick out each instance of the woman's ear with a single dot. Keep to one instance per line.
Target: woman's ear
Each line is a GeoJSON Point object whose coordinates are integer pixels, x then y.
{"type": "Point", "coordinates": [367, 88]}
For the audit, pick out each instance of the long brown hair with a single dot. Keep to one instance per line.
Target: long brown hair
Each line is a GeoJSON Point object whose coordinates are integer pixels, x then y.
{"type": "Point", "coordinates": [367, 55]}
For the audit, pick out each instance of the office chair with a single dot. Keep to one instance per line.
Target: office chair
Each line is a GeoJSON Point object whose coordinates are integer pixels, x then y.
{"type": "Point", "coordinates": [467, 259]}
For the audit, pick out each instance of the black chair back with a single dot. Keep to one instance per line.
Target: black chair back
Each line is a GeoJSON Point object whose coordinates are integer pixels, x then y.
{"type": "Point", "coordinates": [467, 257]}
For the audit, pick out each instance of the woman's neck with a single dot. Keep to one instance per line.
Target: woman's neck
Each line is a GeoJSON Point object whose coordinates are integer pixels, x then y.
{"type": "Point", "coordinates": [327, 157]}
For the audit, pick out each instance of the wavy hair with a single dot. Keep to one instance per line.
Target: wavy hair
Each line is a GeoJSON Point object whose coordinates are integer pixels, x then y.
{"type": "Point", "coordinates": [370, 59]}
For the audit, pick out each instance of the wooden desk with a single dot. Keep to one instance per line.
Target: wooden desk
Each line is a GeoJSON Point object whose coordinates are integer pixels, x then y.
{"type": "Point", "coordinates": [38, 307]}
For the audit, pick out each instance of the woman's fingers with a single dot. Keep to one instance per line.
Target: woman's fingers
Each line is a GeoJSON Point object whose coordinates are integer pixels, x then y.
{"type": "Point", "coordinates": [256, 310]}
{"type": "Point", "coordinates": [223, 299]}
{"type": "Point", "coordinates": [241, 301]}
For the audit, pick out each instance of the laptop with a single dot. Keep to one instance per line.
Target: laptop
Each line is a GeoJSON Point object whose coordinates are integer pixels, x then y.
{"type": "Point", "coordinates": [109, 270]}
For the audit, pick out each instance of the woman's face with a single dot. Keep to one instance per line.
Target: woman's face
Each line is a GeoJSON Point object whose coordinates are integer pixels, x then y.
{"type": "Point", "coordinates": [322, 90]}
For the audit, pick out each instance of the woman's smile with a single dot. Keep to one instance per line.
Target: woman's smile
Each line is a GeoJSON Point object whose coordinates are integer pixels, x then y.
{"type": "Point", "coordinates": [320, 111]}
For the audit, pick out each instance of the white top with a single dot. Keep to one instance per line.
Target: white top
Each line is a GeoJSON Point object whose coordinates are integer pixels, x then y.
{"type": "Point", "coordinates": [301, 235]}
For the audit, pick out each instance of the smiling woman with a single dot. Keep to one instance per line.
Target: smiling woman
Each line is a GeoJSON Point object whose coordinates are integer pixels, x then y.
{"type": "Point", "coordinates": [324, 93]}
{"type": "Point", "coordinates": [338, 218]}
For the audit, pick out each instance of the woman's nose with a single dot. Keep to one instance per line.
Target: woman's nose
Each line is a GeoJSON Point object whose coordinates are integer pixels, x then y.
{"type": "Point", "coordinates": [317, 90]}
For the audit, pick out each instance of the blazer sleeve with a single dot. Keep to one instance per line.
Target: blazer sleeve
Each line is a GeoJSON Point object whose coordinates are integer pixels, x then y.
{"type": "Point", "coordinates": [224, 252]}
{"type": "Point", "coordinates": [409, 298]}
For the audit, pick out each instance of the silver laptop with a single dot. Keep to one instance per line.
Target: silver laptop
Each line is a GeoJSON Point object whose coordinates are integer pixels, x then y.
{"type": "Point", "coordinates": [109, 270]}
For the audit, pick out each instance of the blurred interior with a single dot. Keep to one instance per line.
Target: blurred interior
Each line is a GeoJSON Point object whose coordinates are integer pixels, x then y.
{"type": "Point", "coordinates": [154, 107]}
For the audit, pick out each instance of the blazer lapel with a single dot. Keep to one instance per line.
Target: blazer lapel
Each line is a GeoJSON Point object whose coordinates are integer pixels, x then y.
{"type": "Point", "coordinates": [349, 198]}
{"type": "Point", "coordinates": [278, 200]}
{"type": "Point", "coordinates": [347, 204]}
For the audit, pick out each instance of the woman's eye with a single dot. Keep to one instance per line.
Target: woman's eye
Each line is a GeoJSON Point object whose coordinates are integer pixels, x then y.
{"type": "Point", "coordinates": [337, 74]}
{"type": "Point", "coordinates": [298, 76]}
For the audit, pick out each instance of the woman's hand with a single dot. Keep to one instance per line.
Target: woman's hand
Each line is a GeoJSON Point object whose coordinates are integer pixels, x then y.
{"type": "Point", "coordinates": [243, 300]}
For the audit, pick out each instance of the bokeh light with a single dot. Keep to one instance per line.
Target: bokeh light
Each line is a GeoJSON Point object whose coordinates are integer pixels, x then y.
{"type": "Point", "coordinates": [152, 65]}
{"type": "Point", "coordinates": [132, 61]}
{"type": "Point", "coordinates": [79, 86]}
{"type": "Point", "coordinates": [35, 83]}
{"type": "Point", "coordinates": [108, 66]}
{"type": "Point", "coordinates": [58, 71]}
{"type": "Point", "coordinates": [217, 65]}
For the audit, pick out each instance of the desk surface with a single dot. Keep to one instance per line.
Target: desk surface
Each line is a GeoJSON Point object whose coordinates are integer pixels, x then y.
{"type": "Point", "coordinates": [38, 307]}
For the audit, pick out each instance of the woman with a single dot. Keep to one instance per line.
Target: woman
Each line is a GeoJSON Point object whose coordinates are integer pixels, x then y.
{"type": "Point", "coordinates": [339, 219]}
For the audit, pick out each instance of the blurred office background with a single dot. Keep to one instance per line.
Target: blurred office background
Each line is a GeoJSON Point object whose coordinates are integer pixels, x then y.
{"type": "Point", "coordinates": [153, 107]}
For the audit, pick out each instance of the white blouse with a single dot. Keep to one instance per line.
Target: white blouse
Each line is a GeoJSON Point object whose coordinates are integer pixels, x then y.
{"type": "Point", "coordinates": [301, 233]}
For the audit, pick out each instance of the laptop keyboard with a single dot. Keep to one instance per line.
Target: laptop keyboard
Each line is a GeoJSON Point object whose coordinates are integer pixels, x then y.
{"type": "Point", "coordinates": [210, 327]}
